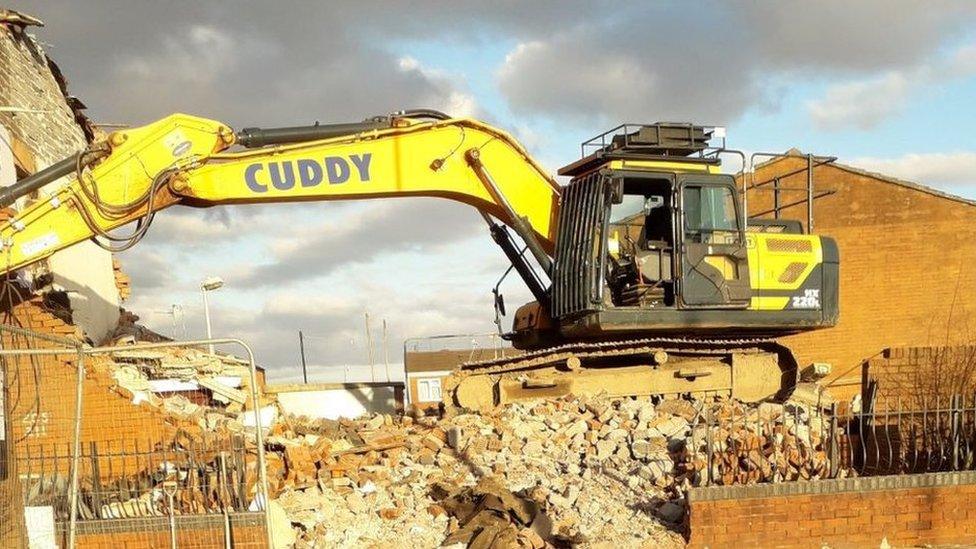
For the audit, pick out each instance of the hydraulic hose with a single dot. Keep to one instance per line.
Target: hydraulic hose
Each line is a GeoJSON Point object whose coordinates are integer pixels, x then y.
{"type": "Point", "coordinates": [31, 183]}
{"type": "Point", "coordinates": [424, 113]}
{"type": "Point", "coordinates": [260, 137]}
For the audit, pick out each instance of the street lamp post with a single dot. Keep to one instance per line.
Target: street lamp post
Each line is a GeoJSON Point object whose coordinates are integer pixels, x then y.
{"type": "Point", "coordinates": [210, 284]}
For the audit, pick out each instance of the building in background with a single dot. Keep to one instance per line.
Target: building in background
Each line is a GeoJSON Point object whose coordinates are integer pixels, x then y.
{"type": "Point", "coordinates": [907, 264]}
{"type": "Point", "coordinates": [338, 400]}
{"type": "Point", "coordinates": [427, 361]}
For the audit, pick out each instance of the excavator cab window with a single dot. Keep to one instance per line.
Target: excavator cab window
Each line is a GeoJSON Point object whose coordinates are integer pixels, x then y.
{"type": "Point", "coordinates": [640, 243]}
{"type": "Point", "coordinates": [710, 215]}
{"type": "Point", "coordinates": [714, 268]}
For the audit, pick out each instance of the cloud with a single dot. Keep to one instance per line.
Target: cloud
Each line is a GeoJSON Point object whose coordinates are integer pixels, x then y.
{"type": "Point", "coordinates": [944, 169]}
{"type": "Point", "coordinates": [259, 64]}
{"type": "Point", "coordinates": [198, 55]}
{"type": "Point", "coordinates": [382, 227]}
{"type": "Point", "coordinates": [147, 268]}
{"type": "Point", "coordinates": [249, 64]}
{"type": "Point", "coordinates": [963, 60]}
{"type": "Point", "coordinates": [838, 35]}
{"type": "Point", "coordinates": [865, 103]}
{"type": "Point", "coordinates": [861, 104]}
{"type": "Point", "coordinates": [446, 98]}
{"type": "Point", "coordinates": [643, 60]}
{"type": "Point", "coordinates": [630, 68]}
{"type": "Point", "coordinates": [334, 325]}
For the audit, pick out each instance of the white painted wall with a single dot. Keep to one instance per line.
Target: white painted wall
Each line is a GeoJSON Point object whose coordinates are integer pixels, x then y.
{"type": "Point", "coordinates": [8, 169]}
{"type": "Point", "coordinates": [339, 402]}
{"type": "Point", "coordinates": [85, 271]}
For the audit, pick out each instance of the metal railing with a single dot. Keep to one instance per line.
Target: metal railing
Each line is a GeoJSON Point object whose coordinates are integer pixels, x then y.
{"type": "Point", "coordinates": [209, 476]}
{"type": "Point", "coordinates": [456, 342]}
{"type": "Point", "coordinates": [731, 443]}
{"type": "Point", "coordinates": [812, 161]}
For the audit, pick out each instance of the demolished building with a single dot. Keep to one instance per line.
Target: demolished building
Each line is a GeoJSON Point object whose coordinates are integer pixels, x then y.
{"type": "Point", "coordinates": [181, 446]}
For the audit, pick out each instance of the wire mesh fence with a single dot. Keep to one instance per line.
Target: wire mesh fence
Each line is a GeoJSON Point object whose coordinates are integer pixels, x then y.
{"type": "Point", "coordinates": [30, 417]}
{"type": "Point", "coordinates": [90, 461]}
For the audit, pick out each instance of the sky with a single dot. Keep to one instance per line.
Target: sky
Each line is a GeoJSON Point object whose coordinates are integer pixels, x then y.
{"type": "Point", "coordinates": [884, 85]}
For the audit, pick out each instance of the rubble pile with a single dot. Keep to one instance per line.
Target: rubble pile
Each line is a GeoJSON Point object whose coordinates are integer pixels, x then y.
{"type": "Point", "coordinates": [768, 442]}
{"type": "Point", "coordinates": [586, 471]}
{"type": "Point", "coordinates": [160, 371]}
{"type": "Point", "coordinates": [583, 471]}
{"type": "Point", "coordinates": [165, 378]}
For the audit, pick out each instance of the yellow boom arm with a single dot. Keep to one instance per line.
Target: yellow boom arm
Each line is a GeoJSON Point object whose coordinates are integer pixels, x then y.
{"type": "Point", "coordinates": [183, 159]}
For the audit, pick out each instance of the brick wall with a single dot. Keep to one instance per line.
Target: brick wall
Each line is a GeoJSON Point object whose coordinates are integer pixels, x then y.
{"type": "Point", "coordinates": [39, 417]}
{"type": "Point", "coordinates": [917, 375]}
{"type": "Point", "coordinates": [933, 508]}
{"type": "Point", "coordinates": [907, 264]}
{"type": "Point", "coordinates": [41, 401]}
{"type": "Point", "coordinates": [122, 281]}
{"type": "Point", "coordinates": [26, 81]}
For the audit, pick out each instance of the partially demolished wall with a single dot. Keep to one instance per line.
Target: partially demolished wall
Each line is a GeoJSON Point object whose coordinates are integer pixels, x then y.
{"type": "Point", "coordinates": [41, 124]}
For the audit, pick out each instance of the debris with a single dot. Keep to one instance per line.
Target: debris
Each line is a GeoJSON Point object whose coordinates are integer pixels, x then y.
{"type": "Point", "coordinates": [282, 534]}
{"type": "Point", "coordinates": [816, 371]}
{"type": "Point", "coordinates": [489, 515]}
{"type": "Point", "coordinates": [575, 471]}
{"type": "Point", "coordinates": [812, 394]}
{"type": "Point", "coordinates": [671, 512]}
{"type": "Point", "coordinates": [223, 379]}
{"type": "Point", "coordinates": [578, 471]}
{"type": "Point", "coordinates": [181, 407]}
{"type": "Point", "coordinates": [12, 17]}
{"type": "Point", "coordinates": [222, 392]}
{"type": "Point", "coordinates": [265, 415]}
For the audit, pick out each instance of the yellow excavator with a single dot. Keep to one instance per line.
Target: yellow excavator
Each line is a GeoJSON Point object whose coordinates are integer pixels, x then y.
{"type": "Point", "coordinates": [645, 277]}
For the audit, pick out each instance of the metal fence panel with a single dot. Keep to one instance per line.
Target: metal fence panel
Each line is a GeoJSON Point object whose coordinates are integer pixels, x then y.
{"type": "Point", "coordinates": [106, 471]}
{"type": "Point", "coordinates": [733, 443]}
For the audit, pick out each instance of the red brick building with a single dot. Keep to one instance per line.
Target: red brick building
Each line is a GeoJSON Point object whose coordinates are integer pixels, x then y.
{"type": "Point", "coordinates": [908, 261]}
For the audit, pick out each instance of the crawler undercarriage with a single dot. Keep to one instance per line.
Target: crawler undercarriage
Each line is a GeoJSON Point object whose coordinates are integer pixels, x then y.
{"type": "Point", "coordinates": [745, 369]}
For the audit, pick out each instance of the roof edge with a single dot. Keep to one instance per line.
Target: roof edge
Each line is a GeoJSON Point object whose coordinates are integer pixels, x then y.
{"type": "Point", "coordinates": [795, 153]}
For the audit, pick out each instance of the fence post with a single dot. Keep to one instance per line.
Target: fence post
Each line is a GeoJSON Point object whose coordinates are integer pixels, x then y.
{"type": "Point", "coordinates": [954, 428]}
{"type": "Point", "coordinates": [708, 445]}
{"type": "Point", "coordinates": [832, 455]}
{"type": "Point", "coordinates": [76, 449]}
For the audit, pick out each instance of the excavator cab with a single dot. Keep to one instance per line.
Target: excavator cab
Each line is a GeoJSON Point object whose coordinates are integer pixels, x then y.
{"type": "Point", "coordinates": [652, 241]}
{"type": "Point", "coordinates": [685, 246]}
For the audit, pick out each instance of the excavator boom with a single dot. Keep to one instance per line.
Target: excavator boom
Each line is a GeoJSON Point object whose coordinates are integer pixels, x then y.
{"type": "Point", "coordinates": [187, 160]}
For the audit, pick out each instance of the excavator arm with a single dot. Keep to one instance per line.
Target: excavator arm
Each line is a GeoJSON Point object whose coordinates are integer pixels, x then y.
{"type": "Point", "coordinates": [193, 162]}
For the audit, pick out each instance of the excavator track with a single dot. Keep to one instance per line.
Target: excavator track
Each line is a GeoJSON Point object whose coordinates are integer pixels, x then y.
{"type": "Point", "coordinates": [746, 368]}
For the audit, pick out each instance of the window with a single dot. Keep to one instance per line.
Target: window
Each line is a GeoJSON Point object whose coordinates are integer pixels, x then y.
{"type": "Point", "coordinates": [629, 207]}
{"type": "Point", "coordinates": [709, 211]}
{"type": "Point", "coordinates": [429, 390]}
